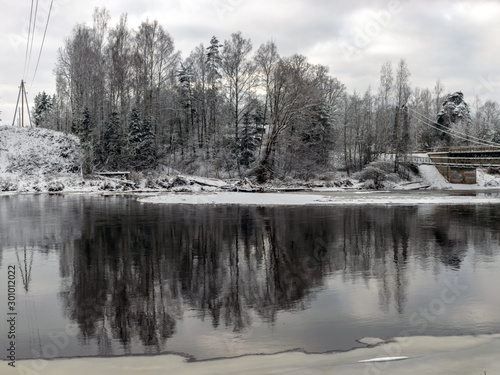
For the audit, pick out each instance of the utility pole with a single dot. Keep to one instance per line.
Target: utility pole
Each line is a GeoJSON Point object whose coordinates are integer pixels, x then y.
{"type": "Point", "coordinates": [22, 95]}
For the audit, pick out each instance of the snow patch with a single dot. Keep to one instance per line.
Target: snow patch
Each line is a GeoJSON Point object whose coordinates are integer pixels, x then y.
{"type": "Point", "coordinates": [35, 151]}
{"type": "Point", "coordinates": [327, 199]}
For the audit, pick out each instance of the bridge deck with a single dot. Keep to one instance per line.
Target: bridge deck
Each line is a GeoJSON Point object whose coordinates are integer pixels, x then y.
{"type": "Point", "coordinates": [461, 162]}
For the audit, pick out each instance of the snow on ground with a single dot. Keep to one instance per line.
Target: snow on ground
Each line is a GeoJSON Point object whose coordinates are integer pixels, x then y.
{"type": "Point", "coordinates": [42, 160]}
{"type": "Point", "coordinates": [432, 177]}
{"type": "Point", "coordinates": [34, 159]}
{"type": "Point", "coordinates": [30, 151]}
{"type": "Point", "coordinates": [324, 198]}
{"type": "Point", "coordinates": [422, 355]}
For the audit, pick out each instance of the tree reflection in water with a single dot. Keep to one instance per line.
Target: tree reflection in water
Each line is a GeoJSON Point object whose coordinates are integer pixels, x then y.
{"type": "Point", "coordinates": [131, 271]}
{"type": "Point", "coordinates": [137, 268]}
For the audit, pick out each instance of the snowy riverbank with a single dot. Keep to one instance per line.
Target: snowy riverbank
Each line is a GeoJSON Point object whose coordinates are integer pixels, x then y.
{"type": "Point", "coordinates": [324, 198]}
{"type": "Point", "coordinates": [42, 160]}
{"type": "Point", "coordinates": [422, 355]}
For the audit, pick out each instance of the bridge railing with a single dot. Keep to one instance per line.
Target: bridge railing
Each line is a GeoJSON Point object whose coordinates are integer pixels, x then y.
{"type": "Point", "coordinates": [467, 149]}
{"type": "Point", "coordinates": [455, 161]}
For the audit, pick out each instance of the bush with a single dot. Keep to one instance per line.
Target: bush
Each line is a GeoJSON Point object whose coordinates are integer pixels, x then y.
{"type": "Point", "coordinates": [54, 186]}
{"type": "Point", "coordinates": [7, 184]}
{"type": "Point", "coordinates": [376, 173]}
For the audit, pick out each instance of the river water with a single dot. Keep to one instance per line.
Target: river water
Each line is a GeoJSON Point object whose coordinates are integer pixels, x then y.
{"type": "Point", "coordinates": [111, 276]}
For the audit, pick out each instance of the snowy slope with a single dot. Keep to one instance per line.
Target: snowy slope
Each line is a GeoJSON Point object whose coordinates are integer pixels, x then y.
{"type": "Point", "coordinates": [35, 151]}
{"type": "Point", "coordinates": [432, 177]}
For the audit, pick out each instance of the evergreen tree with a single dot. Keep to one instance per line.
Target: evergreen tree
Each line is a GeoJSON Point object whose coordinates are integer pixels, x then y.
{"type": "Point", "coordinates": [42, 110]}
{"type": "Point", "coordinates": [454, 116]}
{"type": "Point", "coordinates": [111, 143]}
{"type": "Point", "coordinates": [214, 76]}
{"type": "Point", "coordinates": [83, 128]}
{"type": "Point", "coordinates": [141, 141]}
{"type": "Point", "coordinates": [250, 137]}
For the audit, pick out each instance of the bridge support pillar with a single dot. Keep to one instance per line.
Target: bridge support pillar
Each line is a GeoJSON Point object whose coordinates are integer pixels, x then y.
{"type": "Point", "coordinates": [454, 174]}
{"type": "Point", "coordinates": [458, 175]}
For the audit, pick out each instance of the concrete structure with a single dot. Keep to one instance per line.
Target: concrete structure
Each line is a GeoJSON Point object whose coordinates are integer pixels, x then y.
{"type": "Point", "coordinates": [458, 164]}
{"type": "Point", "coordinates": [455, 174]}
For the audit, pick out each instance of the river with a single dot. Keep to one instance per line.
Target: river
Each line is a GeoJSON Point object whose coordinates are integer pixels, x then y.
{"type": "Point", "coordinates": [109, 276]}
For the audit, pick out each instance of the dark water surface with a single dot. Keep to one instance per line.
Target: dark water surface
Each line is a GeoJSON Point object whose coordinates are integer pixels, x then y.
{"type": "Point", "coordinates": [111, 276]}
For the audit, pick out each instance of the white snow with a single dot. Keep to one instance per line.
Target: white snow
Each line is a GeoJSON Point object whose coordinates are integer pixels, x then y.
{"type": "Point", "coordinates": [432, 177]}
{"type": "Point", "coordinates": [42, 160]}
{"type": "Point", "coordinates": [421, 355]}
{"type": "Point", "coordinates": [29, 151]}
{"type": "Point", "coordinates": [383, 359]}
{"type": "Point", "coordinates": [333, 198]}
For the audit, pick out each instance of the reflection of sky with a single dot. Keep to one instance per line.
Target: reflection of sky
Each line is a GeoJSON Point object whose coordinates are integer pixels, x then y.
{"type": "Point", "coordinates": [342, 310]}
{"type": "Point", "coordinates": [349, 305]}
{"type": "Point", "coordinates": [38, 309]}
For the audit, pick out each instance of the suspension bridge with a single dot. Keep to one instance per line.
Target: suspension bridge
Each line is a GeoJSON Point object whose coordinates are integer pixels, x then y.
{"type": "Point", "coordinates": [459, 164]}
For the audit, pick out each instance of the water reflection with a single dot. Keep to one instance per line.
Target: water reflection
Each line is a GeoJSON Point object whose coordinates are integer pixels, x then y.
{"type": "Point", "coordinates": [130, 272]}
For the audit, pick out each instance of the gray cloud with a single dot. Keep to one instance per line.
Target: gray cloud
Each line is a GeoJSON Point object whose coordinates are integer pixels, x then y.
{"type": "Point", "coordinates": [451, 40]}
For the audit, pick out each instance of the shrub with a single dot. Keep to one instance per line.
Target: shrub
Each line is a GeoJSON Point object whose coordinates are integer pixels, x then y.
{"type": "Point", "coordinates": [376, 173]}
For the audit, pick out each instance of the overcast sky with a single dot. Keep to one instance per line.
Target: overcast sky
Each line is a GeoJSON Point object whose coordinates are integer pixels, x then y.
{"type": "Point", "coordinates": [455, 41]}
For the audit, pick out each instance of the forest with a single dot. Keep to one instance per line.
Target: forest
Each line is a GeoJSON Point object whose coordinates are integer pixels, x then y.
{"type": "Point", "coordinates": [232, 110]}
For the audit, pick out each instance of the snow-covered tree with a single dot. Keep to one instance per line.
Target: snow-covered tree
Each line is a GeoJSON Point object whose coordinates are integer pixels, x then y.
{"type": "Point", "coordinates": [239, 74]}
{"type": "Point", "coordinates": [250, 136]}
{"type": "Point", "coordinates": [42, 109]}
{"type": "Point", "coordinates": [141, 141]}
{"type": "Point", "coordinates": [455, 120]}
{"type": "Point", "coordinates": [401, 130]}
{"type": "Point", "coordinates": [111, 143]}
{"type": "Point", "coordinates": [294, 95]}
{"type": "Point", "coordinates": [83, 127]}
{"type": "Point", "coordinates": [487, 121]}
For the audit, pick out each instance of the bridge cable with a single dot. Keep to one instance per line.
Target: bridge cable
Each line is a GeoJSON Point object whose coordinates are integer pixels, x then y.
{"type": "Point", "coordinates": [456, 133]}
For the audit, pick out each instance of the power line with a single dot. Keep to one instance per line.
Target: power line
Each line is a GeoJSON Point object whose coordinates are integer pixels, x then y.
{"type": "Point", "coordinates": [32, 37]}
{"type": "Point", "coordinates": [43, 40]}
{"type": "Point", "coordinates": [28, 41]}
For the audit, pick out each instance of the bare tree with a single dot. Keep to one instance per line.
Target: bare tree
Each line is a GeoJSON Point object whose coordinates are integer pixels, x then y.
{"type": "Point", "coordinates": [119, 67]}
{"type": "Point", "coordinates": [294, 94]}
{"type": "Point", "coordinates": [239, 74]}
{"type": "Point", "coordinates": [401, 121]}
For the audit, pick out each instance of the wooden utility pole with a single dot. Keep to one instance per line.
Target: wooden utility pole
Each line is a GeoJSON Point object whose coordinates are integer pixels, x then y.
{"type": "Point", "coordinates": [22, 95]}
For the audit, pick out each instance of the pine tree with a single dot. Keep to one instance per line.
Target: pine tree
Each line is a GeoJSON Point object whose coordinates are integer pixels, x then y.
{"type": "Point", "coordinates": [111, 143]}
{"type": "Point", "coordinates": [83, 128]}
{"type": "Point", "coordinates": [43, 108]}
{"type": "Point", "coordinates": [250, 137]}
{"type": "Point", "coordinates": [142, 143]}
{"type": "Point", "coordinates": [213, 63]}
{"type": "Point", "coordinates": [454, 116]}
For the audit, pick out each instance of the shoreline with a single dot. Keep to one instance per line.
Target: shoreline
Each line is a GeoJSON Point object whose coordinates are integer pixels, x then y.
{"type": "Point", "coordinates": [313, 197]}
{"type": "Point", "coordinates": [324, 198]}
{"type": "Point", "coordinates": [410, 355]}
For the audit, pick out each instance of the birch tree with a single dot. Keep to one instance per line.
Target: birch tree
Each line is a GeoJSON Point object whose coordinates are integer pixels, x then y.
{"type": "Point", "coordinates": [239, 74]}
